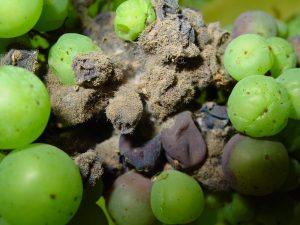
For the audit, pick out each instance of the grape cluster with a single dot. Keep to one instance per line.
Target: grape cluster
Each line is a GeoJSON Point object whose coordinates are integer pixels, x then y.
{"type": "Point", "coordinates": [157, 182]}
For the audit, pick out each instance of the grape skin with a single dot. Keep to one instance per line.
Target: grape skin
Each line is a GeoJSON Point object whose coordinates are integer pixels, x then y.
{"type": "Point", "coordinates": [64, 50]}
{"type": "Point", "coordinates": [24, 113]}
{"type": "Point", "coordinates": [290, 79]}
{"type": "Point", "coordinates": [18, 17]}
{"type": "Point", "coordinates": [53, 15]}
{"type": "Point", "coordinates": [40, 184]}
{"type": "Point", "coordinates": [246, 55]}
{"type": "Point", "coordinates": [259, 106]}
{"type": "Point", "coordinates": [284, 55]}
{"type": "Point", "coordinates": [176, 198]}
{"type": "Point", "coordinates": [132, 17]}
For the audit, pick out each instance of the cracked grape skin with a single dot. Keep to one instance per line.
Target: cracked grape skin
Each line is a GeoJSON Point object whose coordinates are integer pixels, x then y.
{"type": "Point", "coordinates": [246, 55]}
{"type": "Point", "coordinates": [259, 106]}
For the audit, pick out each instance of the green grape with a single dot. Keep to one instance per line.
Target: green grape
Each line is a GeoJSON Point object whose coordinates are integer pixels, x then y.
{"type": "Point", "coordinates": [18, 17]}
{"type": "Point", "coordinates": [284, 55]}
{"type": "Point", "coordinates": [248, 54]}
{"type": "Point", "coordinates": [64, 50]}
{"type": "Point", "coordinates": [290, 136]}
{"type": "Point", "coordinates": [255, 166]}
{"type": "Point", "coordinates": [129, 200]}
{"type": "Point", "coordinates": [294, 26]}
{"type": "Point", "coordinates": [282, 28]}
{"type": "Point", "coordinates": [176, 198]}
{"type": "Point", "coordinates": [239, 210]}
{"type": "Point", "coordinates": [40, 184]}
{"type": "Point", "coordinates": [25, 107]}
{"type": "Point", "coordinates": [259, 106]}
{"type": "Point", "coordinates": [3, 222]}
{"type": "Point", "coordinates": [132, 17]}
{"type": "Point", "coordinates": [255, 22]}
{"type": "Point", "coordinates": [53, 15]}
{"type": "Point", "coordinates": [2, 155]}
{"type": "Point", "coordinates": [290, 79]}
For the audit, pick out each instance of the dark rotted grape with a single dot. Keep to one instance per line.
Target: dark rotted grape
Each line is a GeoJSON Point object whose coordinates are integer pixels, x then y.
{"type": "Point", "coordinates": [255, 166]}
{"type": "Point", "coordinates": [144, 157]}
{"type": "Point", "coordinates": [183, 143]}
{"type": "Point", "coordinates": [255, 22]}
{"type": "Point", "coordinates": [216, 116]}
{"type": "Point", "coordinates": [128, 201]}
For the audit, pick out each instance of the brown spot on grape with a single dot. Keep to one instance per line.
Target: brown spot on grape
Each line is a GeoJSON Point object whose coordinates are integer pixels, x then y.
{"type": "Point", "coordinates": [53, 196]}
{"type": "Point", "coordinates": [267, 157]}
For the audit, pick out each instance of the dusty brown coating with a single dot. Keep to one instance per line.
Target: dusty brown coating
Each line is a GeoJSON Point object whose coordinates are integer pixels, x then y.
{"type": "Point", "coordinates": [90, 165]}
{"type": "Point", "coordinates": [172, 59]}
{"type": "Point", "coordinates": [22, 58]}
{"type": "Point", "coordinates": [127, 54]}
{"type": "Point", "coordinates": [125, 109]}
{"type": "Point", "coordinates": [216, 134]}
{"type": "Point", "coordinates": [73, 104]}
{"type": "Point", "coordinates": [94, 69]}
{"type": "Point", "coordinates": [109, 152]}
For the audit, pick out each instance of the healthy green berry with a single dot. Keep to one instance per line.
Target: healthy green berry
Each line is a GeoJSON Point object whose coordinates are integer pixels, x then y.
{"type": "Point", "coordinates": [282, 29]}
{"type": "Point", "coordinates": [259, 106]}
{"type": "Point", "coordinates": [40, 184]}
{"type": "Point", "coordinates": [248, 54]}
{"type": "Point", "coordinates": [284, 55]}
{"type": "Point", "coordinates": [255, 22]}
{"type": "Point", "coordinates": [53, 15]}
{"type": "Point", "coordinates": [132, 16]}
{"type": "Point", "coordinates": [25, 107]}
{"type": "Point", "coordinates": [294, 26]}
{"type": "Point", "coordinates": [290, 79]}
{"type": "Point", "coordinates": [176, 198]}
{"type": "Point", "coordinates": [255, 166]}
{"type": "Point", "coordinates": [18, 17]}
{"type": "Point", "coordinates": [61, 55]}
